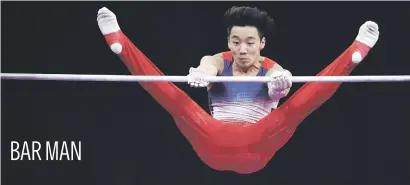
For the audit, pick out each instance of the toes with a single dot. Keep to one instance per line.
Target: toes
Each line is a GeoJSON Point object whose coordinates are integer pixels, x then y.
{"type": "Point", "coordinates": [368, 33]}
{"type": "Point", "coordinates": [372, 25]}
{"type": "Point", "coordinates": [103, 9]}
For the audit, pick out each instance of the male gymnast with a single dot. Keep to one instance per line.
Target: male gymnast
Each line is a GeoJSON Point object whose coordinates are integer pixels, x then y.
{"type": "Point", "coordinates": [246, 126]}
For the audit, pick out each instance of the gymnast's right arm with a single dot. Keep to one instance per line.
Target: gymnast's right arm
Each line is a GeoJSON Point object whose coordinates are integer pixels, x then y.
{"type": "Point", "coordinates": [209, 66]}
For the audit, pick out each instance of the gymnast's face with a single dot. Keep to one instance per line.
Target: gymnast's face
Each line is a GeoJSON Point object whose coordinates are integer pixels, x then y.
{"type": "Point", "coordinates": [245, 45]}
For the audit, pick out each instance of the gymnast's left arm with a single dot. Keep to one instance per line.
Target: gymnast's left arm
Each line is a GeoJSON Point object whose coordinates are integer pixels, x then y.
{"type": "Point", "coordinates": [280, 83]}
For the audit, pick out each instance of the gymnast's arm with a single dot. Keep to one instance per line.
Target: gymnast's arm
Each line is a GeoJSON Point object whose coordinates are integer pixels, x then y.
{"type": "Point", "coordinates": [283, 84]}
{"type": "Point", "coordinates": [211, 65]}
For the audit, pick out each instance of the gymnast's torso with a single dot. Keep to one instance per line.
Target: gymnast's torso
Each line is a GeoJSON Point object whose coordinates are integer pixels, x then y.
{"type": "Point", "coordinates": [240, 102]}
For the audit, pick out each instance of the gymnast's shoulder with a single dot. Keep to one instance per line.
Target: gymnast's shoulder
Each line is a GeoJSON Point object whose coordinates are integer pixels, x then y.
{"type": "Point", "coordinates": [270, 65]}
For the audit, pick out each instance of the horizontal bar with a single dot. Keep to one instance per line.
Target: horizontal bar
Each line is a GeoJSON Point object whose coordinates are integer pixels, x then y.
{"type": "Point", "coordinates": [132, 78]}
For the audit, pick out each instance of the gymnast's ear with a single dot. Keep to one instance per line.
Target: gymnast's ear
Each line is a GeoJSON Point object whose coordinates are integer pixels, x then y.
{"type": "Point", "coordinates": [263, 42]}
{"type": "Point", "coordinates": [228, 42]}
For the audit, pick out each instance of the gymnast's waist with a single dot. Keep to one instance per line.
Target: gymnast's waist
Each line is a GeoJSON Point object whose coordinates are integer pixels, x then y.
{"type": "Point", "coordinates": [239, 113]}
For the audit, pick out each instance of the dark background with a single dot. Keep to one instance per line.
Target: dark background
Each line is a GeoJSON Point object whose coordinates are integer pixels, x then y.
{"type": "Point", "coordinates": [360, 136]}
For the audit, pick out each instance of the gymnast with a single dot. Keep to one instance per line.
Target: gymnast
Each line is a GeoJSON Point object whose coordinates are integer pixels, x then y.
{"type": "Point", "coordinates": [246, 126]}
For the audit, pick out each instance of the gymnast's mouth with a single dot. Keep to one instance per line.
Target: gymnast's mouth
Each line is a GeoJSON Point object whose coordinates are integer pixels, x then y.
{"type": "Point", "coordinates": [244, 60]}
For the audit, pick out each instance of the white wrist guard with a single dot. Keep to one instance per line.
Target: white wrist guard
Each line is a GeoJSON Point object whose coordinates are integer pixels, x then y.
{"type": "Point", "coordinates": [276, 95]}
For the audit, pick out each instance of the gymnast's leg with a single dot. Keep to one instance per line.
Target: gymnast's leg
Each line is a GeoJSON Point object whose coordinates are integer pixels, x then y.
{"type": "Point", "coordinates": [192, 120]}
{"type": "Point", "coordinates": [312, 95]}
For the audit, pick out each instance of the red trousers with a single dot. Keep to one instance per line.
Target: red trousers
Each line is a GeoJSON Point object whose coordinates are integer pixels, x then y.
{"type": "Point", "coordinates": [229, 147]}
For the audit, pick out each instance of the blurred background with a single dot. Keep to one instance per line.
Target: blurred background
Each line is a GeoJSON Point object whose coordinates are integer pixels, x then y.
{"type": "Point", "coordinates": [360, 136]}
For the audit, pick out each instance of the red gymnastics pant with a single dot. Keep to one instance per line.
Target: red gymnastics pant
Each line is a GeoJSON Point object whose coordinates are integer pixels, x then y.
{"type": "Point", "coordinates": [229, 147]}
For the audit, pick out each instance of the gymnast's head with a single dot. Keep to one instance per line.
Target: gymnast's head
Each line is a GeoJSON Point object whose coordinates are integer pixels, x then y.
{"type": "Point", "coordinates": [247, 28]}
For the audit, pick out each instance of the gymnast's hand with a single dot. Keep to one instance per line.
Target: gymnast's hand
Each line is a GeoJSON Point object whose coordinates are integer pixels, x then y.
{"type": "Point", "coordinates": [280, 80]}
{"type": "Point", "coordinates": [196, 78]}
{"type": "Point", "coordinates": [107, 21]}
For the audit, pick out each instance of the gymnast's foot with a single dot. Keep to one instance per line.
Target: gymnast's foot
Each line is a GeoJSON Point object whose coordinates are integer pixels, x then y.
{"type": "Point", "coordinates": [368, 35]}
{"type": "Point", "coordinates": [108, 24]}
{"type": "Point", "coordinates": [107, 21]}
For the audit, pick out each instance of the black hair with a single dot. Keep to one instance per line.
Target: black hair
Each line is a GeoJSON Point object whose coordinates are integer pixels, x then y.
{"type": "Point", "coordinates": [248, 16]}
